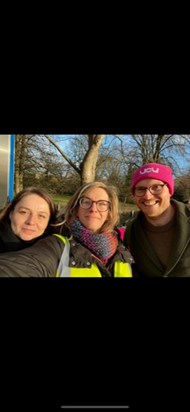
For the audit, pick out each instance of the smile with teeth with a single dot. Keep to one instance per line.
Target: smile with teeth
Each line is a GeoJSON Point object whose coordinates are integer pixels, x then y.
{"type": "Point", "coordinates": [150, 203]}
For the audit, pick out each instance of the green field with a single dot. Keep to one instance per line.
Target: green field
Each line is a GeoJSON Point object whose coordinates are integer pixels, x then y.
{"type": "Point", "coordinates": [124, 207]}
{"type": "Point", "coordinates": [61, 199]}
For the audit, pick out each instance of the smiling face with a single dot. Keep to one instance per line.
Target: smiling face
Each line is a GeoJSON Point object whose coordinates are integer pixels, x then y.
{"type": "Point", "coordinates": [154, 206]}
{"type": "Point", "coordinates": [92, 218]}
{"type": "Point", "coordinates": [30, 217]}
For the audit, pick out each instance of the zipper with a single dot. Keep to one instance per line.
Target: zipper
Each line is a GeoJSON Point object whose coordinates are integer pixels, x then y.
{"type": "Point", "coordinates": [105, 269]}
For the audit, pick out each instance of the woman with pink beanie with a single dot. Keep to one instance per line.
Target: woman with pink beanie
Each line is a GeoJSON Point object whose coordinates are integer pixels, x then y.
{"type": "Point", "coordinates": [159, 236]}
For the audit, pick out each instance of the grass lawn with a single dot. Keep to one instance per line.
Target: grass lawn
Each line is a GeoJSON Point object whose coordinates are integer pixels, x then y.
{"type": "Point", "coordinates": [61, 199]}
{"type": "Point", "coordinates": [124, 207]}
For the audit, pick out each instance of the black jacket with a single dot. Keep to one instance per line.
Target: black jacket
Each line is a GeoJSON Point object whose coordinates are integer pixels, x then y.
{"type": "Point", "coordinates": [9, 242]}
{"type": "Point", "coordinates": [42, 259]}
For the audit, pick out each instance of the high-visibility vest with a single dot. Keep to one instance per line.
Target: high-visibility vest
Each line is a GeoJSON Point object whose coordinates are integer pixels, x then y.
{"type": "Point", "coordinates": [121, 269]}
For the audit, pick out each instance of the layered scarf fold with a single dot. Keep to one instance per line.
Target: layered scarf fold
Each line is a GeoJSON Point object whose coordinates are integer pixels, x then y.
{"type": "Point", "coordinates": [102, 245]}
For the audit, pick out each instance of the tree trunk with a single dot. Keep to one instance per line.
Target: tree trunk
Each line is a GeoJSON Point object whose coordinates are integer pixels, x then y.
{"type": "Point", "coordinates": [88, 165]}
{"type": "Point", "coordinates": [20, 145]}
{"type": "Point", "coordinates": [87, 169]}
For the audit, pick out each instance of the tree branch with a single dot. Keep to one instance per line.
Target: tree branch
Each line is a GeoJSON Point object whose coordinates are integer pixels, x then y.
{"type": "Point", "coordinates": [62, 153]}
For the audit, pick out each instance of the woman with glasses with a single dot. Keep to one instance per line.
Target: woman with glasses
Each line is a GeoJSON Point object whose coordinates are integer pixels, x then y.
{"type": "Point", "coordinates": [159, 236]}
{"type": "Point", "coordinates": [86, 244]}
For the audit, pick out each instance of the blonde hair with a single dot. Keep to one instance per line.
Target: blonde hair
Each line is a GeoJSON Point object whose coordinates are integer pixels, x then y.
{"type": "Point", "coordinates": [72, 206]}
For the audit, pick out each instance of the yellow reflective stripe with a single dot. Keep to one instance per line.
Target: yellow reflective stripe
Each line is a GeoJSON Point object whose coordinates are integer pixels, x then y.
{"type": "Point", "coordinates": [122, 270]}
{"type": "Point", "coordinates": [61, 237]}
{"type": "Point", "coordinates": [92, 272]}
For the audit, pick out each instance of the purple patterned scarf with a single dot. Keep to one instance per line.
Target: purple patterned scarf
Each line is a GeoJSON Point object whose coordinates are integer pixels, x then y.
{"type": "Point", "coordinates": [103, 245]}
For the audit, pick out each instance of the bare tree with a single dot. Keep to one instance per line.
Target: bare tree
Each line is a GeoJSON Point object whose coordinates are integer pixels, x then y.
{"type": "Point", "coordinates": [62, 162]}
{"type": "Point", "coordinates": [20, 157]}
{"type": "Point", "coordinates": [87, 167]}
{"type": "Point", "coordinates": [32, 153]}
{"type": "Point", "coordinates": [166, 148]}
{"type": "Point", "coordinates": [32, 159]}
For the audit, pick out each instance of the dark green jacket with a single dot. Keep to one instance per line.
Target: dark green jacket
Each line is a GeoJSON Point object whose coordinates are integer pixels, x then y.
{"type": "Point", "coordinates": [147, 263]}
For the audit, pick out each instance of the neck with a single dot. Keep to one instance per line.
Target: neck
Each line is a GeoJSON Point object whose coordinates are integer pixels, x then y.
{"type": "Point", "coordinates": [164, 218]}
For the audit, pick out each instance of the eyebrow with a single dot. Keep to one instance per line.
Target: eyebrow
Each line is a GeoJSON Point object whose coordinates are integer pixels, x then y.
{"type": "Point", "coordinates": [27, 208]}
{"type": "Point", "coordinates": [101, 200]}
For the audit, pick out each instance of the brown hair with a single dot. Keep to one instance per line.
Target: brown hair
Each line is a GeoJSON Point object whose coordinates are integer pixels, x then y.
{"type": "Point", "coordinates": [4, 213]}
{"type": "Point", "coordinates": [72, 206]}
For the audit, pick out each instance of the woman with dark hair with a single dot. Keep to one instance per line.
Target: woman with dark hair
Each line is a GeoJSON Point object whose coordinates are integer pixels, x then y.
{"type": "Point", "coordinates": [87, 244]}
{"type": "Point", "coordinates": [26, 219]}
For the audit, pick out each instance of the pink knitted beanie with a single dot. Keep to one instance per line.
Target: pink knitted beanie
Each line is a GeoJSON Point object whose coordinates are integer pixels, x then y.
{"type": "Point", "coordinates": [154, 171]}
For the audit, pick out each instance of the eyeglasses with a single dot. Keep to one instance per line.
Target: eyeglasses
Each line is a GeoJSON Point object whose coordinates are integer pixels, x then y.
{"type": "Point", "coordinates": [102, 205]}
{"type": "Point", "coordinates": [154, 189]}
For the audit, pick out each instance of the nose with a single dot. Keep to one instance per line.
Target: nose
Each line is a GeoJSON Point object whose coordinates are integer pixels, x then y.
{"type": "Point", "coordinates": [147, 194]}
{"type": "Point", "coordinates": [31, 219]}
{"type": "Point", "coordinates": [94, 207]}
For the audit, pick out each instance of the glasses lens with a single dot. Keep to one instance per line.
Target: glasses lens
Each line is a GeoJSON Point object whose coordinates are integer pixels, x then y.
{"type": "Point", "coordinates": [102, 205]}
{"type": "Point", "coordinates": [155, 189]}
{"type": "Point", "coordinates": [140, 191]}
{"type": "Point", "coordinates": [85, 203]}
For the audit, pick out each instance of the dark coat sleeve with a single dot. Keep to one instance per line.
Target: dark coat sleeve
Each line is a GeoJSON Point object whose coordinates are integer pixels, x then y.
{"type": "Point", "coordinates": [39, 260]}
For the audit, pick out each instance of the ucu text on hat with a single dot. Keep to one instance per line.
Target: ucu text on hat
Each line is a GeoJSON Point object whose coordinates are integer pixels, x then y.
{"type": "Point", "coordinates": [149, 170]}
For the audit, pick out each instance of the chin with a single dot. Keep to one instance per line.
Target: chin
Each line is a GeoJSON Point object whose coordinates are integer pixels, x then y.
{"type": "Point", "coordinates": [93, 229]}
{"type": "Point", "coordinates": [153, 216]}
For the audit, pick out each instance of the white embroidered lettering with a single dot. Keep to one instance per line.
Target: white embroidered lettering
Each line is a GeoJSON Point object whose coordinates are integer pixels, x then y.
{"type": "Point", "coordinates": [149, 170]}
